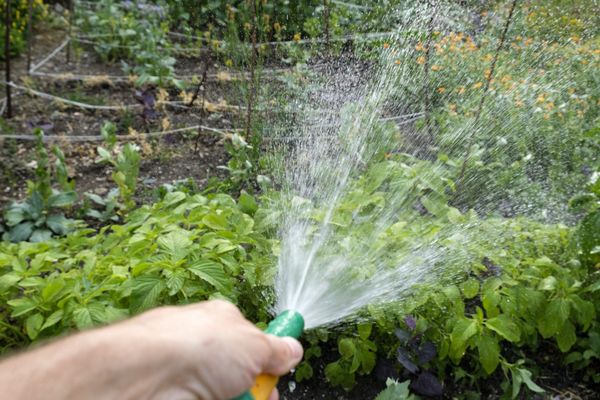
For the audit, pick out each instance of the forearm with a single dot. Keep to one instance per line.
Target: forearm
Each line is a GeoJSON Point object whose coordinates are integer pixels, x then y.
{"type": "Point", "coordinates": [92, 365]}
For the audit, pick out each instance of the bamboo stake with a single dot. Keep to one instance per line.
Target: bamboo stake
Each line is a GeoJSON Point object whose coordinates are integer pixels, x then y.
{"type": "Point", "coordinates": [8, 22]}
{"type": "Point", "coordinates": [29, 38]}
{"type": "Point", "coordinates": [326, 22]}
{"type": "Point", "coordinates": [459, 182]}
{"type": "Point", "coordinates": [71, 10]}
{"type": "Point", "coordinates": [253, 62]}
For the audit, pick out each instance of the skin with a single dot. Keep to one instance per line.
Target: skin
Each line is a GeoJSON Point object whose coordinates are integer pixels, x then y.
{"type": "Point", "coordinates": [205, 351]}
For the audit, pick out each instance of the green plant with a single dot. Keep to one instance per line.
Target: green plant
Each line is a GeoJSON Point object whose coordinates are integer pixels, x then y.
{"type": "Point", "coordinates": [133, 33]}
{"type": "Point", "coordinates": [18, 33]}
{"type": "Point", "coordinates": [125, 161]}
{"type": "Point", "coordinates": [396, 391]}
{"type": "Point", "coordinates": [106, 208]}
{"type": "Point", "coordinates": [39, 217]}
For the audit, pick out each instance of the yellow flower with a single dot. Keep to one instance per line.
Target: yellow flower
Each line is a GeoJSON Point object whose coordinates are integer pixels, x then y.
{"type": "Point", "coordinates": [441, 89]}
{"type": "Point", "coordinates": [397, 62]}
{"type": "Point", "coordinates": [477, 85]}
{"type": "Point", "coordinates": [540, 98]}
{"type": "Point", "coordinates": [297, 37]}
{"type": "Point", "coordinates": [487, 73]}
{"type": "Point", "coordinates": [386, 45]}
{"type": "Point", "coordinates": [518, 103]}
{"type": "Point", "coordinates": [435, 68]}
{"type": "Point", "coordinates": [277, 26]}
{"type": "Point", "coordinates": [460, 89]}
{"type": "Point", "coordinates": [419, 47]}
{"type": "Point", "coordinates": [229, 62]}
{"type": "Point", "coordinates": [421, 60]}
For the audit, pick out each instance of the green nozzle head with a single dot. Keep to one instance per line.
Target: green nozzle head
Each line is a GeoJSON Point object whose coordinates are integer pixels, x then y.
{"type": "Point", "coordinates": [288, 323]}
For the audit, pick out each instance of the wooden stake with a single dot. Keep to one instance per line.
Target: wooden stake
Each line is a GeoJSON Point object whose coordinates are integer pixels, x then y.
{"type": "Point", "coordinates": [71, 9]}
{"type": "Point", "coordinates": [479, 110]}
{"type": "Point", "coordinates": [29, 38]}
{"type": "Point", "coordinates": [253, 62]}
{"type": "Point", "coordinates": [8, 22]}
{"type": "Point", "coordinates": [326, 23]}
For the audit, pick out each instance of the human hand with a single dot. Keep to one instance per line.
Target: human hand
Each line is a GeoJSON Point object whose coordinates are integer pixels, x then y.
{"type": "Point", "coordinates": [205, 351]}
{"type": "Point", "coordinates": [211, 351]}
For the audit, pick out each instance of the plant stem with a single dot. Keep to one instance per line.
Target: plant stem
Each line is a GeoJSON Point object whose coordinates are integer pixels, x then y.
{"type": "Point", "coordinates": [460, 183]}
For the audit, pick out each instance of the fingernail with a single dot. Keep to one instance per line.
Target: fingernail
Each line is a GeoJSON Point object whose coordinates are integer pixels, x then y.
{"type": "Point", "coordinates": [296, 349]}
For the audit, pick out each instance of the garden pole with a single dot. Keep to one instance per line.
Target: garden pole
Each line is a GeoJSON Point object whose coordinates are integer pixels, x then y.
{"type": "Point", "coordinates": [426, 87]}
{"type": "Point", "coordinates": [8, 23]}
{"type": "Point", "coordinates": [326, 22]}
{"type": "Point", "coordinates": [253, 62]}
{"type": "Point", "coordinates": [71, 8]}
{"type": "Point", "coordinates": [29, 16]}
{"type": "Point", "coordinates": [459, 181]}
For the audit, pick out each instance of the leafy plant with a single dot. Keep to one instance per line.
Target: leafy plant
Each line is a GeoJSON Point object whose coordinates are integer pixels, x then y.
{"type": "Point", "coordinates": [126, 163]}
{"type": "Point", "coordinates": [39, 218]}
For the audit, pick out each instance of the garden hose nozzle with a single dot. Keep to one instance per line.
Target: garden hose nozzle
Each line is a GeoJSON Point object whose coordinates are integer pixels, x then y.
{"type": "Point", "coordinates": [288, 323]}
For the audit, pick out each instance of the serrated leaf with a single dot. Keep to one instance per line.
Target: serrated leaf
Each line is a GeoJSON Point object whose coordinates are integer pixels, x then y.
{"type": "Point", "coordinates": [177, 243]}
{"type": "Point", "coordinates": [145, 292]}
{"type": "Point", "coordinates": [395, 391]}
{"type": "Point", "coordinates": [212, 273]}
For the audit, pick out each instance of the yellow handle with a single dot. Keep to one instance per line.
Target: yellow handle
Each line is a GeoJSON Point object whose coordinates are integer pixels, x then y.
{"type": "Point", "coordinates": [263, 387]}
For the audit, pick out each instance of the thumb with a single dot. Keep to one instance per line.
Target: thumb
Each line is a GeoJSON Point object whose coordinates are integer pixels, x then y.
{"type": "Point", "coordinates": [285, 354]}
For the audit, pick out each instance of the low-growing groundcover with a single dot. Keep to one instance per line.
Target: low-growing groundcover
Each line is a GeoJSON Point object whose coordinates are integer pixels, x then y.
{"type": "Point", "coordinates": [523, 294]}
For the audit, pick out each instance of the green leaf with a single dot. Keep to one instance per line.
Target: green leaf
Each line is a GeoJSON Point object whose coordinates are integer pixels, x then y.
{"type": "Point", "coordinates": [526, 378]}
{"type": "Point", "coordinates": [62, 199]}
{"type": "Point", "coordinates": [20, 232]}
{"type": "Point", "coordinates": [82, 318]}
{"type": "Point", "coordinates": [489, 352]}
{"type": "Point", "coordinates": [40, 235]}
{"type": "Point", "coordinates": [9, 280]}
{"type": "Point", "coordinates": [173, 198]}
{"type": "Point", "coordinates": [14, 215]}
{"type": "Point", "coordinates": [22, 305]}
{"type": "Point", "coordinates": [504, 325]}
{"type": "Point", "coordinates": [462, 332]}
{"type": "Point", "coordinates": [175, 280]}
{"type": "Point", "coordinates": [364, 330]}
{"type": "Point", "coordinates": [54, 318]}
{"type": "Point", "coordinates": [177, 243]}
{"type": "Point", "coordinates": [33, 325]}
{"type": "Point", "coordinates": [346, 348]}
{"type": "Point", "coordinates": [553, 317]}
{"type": "Point", "coordinates": [396, 391]}
{"type": "Point", "coordinates": [303, 371]}
{"type": "Point", "coordinates": [212, 273]}
{"type": "Point", "coordinates": [247, 203]}
{"type": "Point", "coordinates": [59, 224]}
{"type": "Point", "coordinates": [339, 376]}
{"type": "Point", "coordinates": [145, 292]}
{"type": "Point", "coordinates": [566, 337]}
{"type": "Point", "coordinates": [218, 222]}
{"type": "Point", "coordinates": [470, 288]}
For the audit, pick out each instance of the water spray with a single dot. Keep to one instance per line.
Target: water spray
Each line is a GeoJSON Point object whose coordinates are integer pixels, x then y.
{"type": "Point", "coordinates": [287, 323]}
